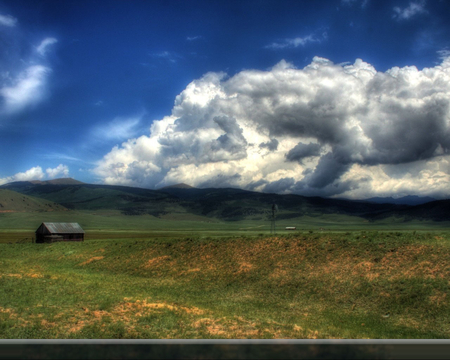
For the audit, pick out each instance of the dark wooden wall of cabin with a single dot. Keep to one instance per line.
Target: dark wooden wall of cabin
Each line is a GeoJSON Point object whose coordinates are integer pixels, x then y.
{"type": "Point", "coordinates": [42, 238]}
{"type": "Point", "coordinates": [73, 237]}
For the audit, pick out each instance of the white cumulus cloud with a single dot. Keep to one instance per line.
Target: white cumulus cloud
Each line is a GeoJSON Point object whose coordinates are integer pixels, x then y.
{"type": "Point", "coordinates": [59, 171]}
{"type": "Point", "coordinates": [327, 129]}
{"type": "Point", "coordinates": [36, 173]}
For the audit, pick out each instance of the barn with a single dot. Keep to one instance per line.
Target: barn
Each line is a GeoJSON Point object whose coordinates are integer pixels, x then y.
{"type": "Point", "coordinates": [52, 232]}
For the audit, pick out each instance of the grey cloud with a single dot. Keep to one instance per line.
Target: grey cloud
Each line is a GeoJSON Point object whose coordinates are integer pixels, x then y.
{"type": "Point", "coordinates": [190, 147]}
{"type": "Point", "coordinates": [307, 171]}
{"type": "Point", "coordinates": [279, 186]}
{"type": "Point", "coordinates": [138, 174]}
{"type": "Point", "coordinates": [220, 181]}
{"type": "Point", "coordinates": [408, 133]}
{"type": "Point", "coordinates": [272, 145]}
{"type": "Point", "coordinates": [326, 172]}
{"type": "Point", "coordinates": [391, 127]}
{"type": "Point", "coordinates": [332, 189]}
{"type": "Point", "coordinates": [301, 151]}
{"type": "Point", "coordinates": [255, 184]}
{"type": "Point", "coordinates": [231, 145]}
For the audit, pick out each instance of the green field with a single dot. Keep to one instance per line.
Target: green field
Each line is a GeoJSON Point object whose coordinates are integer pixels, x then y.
{"type": "Point", "coordinates": [111, 224]}
{"type": "Point", "coordinates": [188, 279]}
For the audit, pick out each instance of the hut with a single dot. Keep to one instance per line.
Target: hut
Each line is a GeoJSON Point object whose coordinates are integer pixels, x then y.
{"type": "Point", "coordinates": [52, 232]}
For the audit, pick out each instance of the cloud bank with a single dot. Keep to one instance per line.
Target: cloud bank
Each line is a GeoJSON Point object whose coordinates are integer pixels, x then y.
{"type": "Point", "coordinates": [326, 129]}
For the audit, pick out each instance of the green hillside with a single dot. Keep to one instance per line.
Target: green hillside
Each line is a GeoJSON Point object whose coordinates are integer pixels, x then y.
{"type": "Point", "coordinates": [128, 200]}
{"type": "Point", "coordinates": [226, 204]}
{"type": "Point", "coordinates": [181, 202]}
{"type": "Point", "coordinates": [11, 201]}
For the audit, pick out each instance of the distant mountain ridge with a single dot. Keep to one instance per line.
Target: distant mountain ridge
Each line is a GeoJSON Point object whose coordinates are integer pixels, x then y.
{"type": "Point", "coordinates": [177, 186]}
{"type": "Point", "coordinates": [31, 183]}
{"type": "Point", "coordinates": [227, 204]}
{"type": "Point", "coordinates": [61, 181]}
{"type": "Point", "coordinates": [405, 200]}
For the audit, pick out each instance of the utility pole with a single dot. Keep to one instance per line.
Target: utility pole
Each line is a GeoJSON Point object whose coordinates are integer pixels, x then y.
{"type": "Point", "coordinates": [272, 220]}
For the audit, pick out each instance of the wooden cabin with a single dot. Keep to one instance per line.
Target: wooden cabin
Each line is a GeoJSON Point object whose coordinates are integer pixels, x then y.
{"type": "Point", "coordinates": [52, 232]}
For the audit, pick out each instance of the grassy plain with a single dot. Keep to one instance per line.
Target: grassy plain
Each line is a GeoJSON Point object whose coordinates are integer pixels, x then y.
{"type": "Point", "coordinates": [112, 224]}
{"type": "Point", "coordinates": [186, 279]}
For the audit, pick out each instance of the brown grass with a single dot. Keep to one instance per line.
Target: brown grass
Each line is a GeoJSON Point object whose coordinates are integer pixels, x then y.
{"type": "Point", "coordinates": [95, 258]}
{"type": "Point", "coordinates": [155, 262]}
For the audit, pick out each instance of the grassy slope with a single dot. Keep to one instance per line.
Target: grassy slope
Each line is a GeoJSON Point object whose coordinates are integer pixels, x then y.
{"type": "Point", "coordinates": [225, 204]}
{"type": "Point", "coordinates": [329, 285]}
{"type": "Point", "coordinates": [94, 197]}
{"type": "Point", "coordinates": [11, 201]}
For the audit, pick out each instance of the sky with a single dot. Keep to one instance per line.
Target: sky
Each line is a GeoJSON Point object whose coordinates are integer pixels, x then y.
{"type": "Point", "coordinates": [336, 98]}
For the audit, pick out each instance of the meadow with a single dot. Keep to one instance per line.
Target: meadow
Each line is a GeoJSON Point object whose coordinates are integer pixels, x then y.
{"type": "Point", "coordinates": [213, 280]}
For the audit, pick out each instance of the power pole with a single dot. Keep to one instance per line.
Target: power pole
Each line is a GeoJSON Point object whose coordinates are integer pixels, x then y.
{"type": "Point", "coordinates": [272, 220]}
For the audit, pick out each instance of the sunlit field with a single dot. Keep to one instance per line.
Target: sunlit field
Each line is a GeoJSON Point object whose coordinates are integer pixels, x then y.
{"type": "Point", "coordinates": [158, 284]}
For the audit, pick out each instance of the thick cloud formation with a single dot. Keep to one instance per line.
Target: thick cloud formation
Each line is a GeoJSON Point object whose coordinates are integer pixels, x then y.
{"type": "Point", "coordinates": [301, 151]}
{"type": "Point", "coordinates": [326, 129]}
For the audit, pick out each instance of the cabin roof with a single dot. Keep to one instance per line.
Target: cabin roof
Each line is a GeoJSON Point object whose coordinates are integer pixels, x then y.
{"type": "Point", "coordinates": [63, 228]}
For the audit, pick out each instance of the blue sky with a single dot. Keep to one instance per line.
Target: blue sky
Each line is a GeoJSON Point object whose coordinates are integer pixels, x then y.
{"type": "Point", "coordinates": [330, 98]}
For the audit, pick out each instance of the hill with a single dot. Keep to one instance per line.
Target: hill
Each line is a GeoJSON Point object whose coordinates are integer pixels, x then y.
{"type": "Point", "coordinates": [405, 200]}
{"type": "Point", "coordinates": [11, 201]}
{"type": "Point", "coordinates": [62, 181]}
{"type": "Point", "coordinates": [177, 186]}
{"type": "Point", "coordinates": [438, 210]}
{"type": "Point", "coordinates": [226, 204]}
{"type": "Point", "coordinates": [129, 200]}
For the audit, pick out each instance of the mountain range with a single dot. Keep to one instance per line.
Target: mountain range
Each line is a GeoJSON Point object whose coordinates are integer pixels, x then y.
{"type": "Point", "coordinates": [228, 204]}
{"type": "Point", "coordinates": [405, 200]}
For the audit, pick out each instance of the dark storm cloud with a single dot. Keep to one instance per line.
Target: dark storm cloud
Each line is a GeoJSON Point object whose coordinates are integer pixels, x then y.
{"type": "Point", "coordinates": [272, 145]}
{"type": "Point", "coordinates": [334, 188]}
{"type": "Point", "coordinates": [230, 145]}
{"type": "Point", "coordinates": [301, 151]}
{"type": "Point", "coordinates": [326, 172]}
{"type": "Point", "coordinates": [255, 184]}
{"type": "Point", "coordinates": [279, 186]}
{"type": "Point", "coordinates": [221, 181]}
